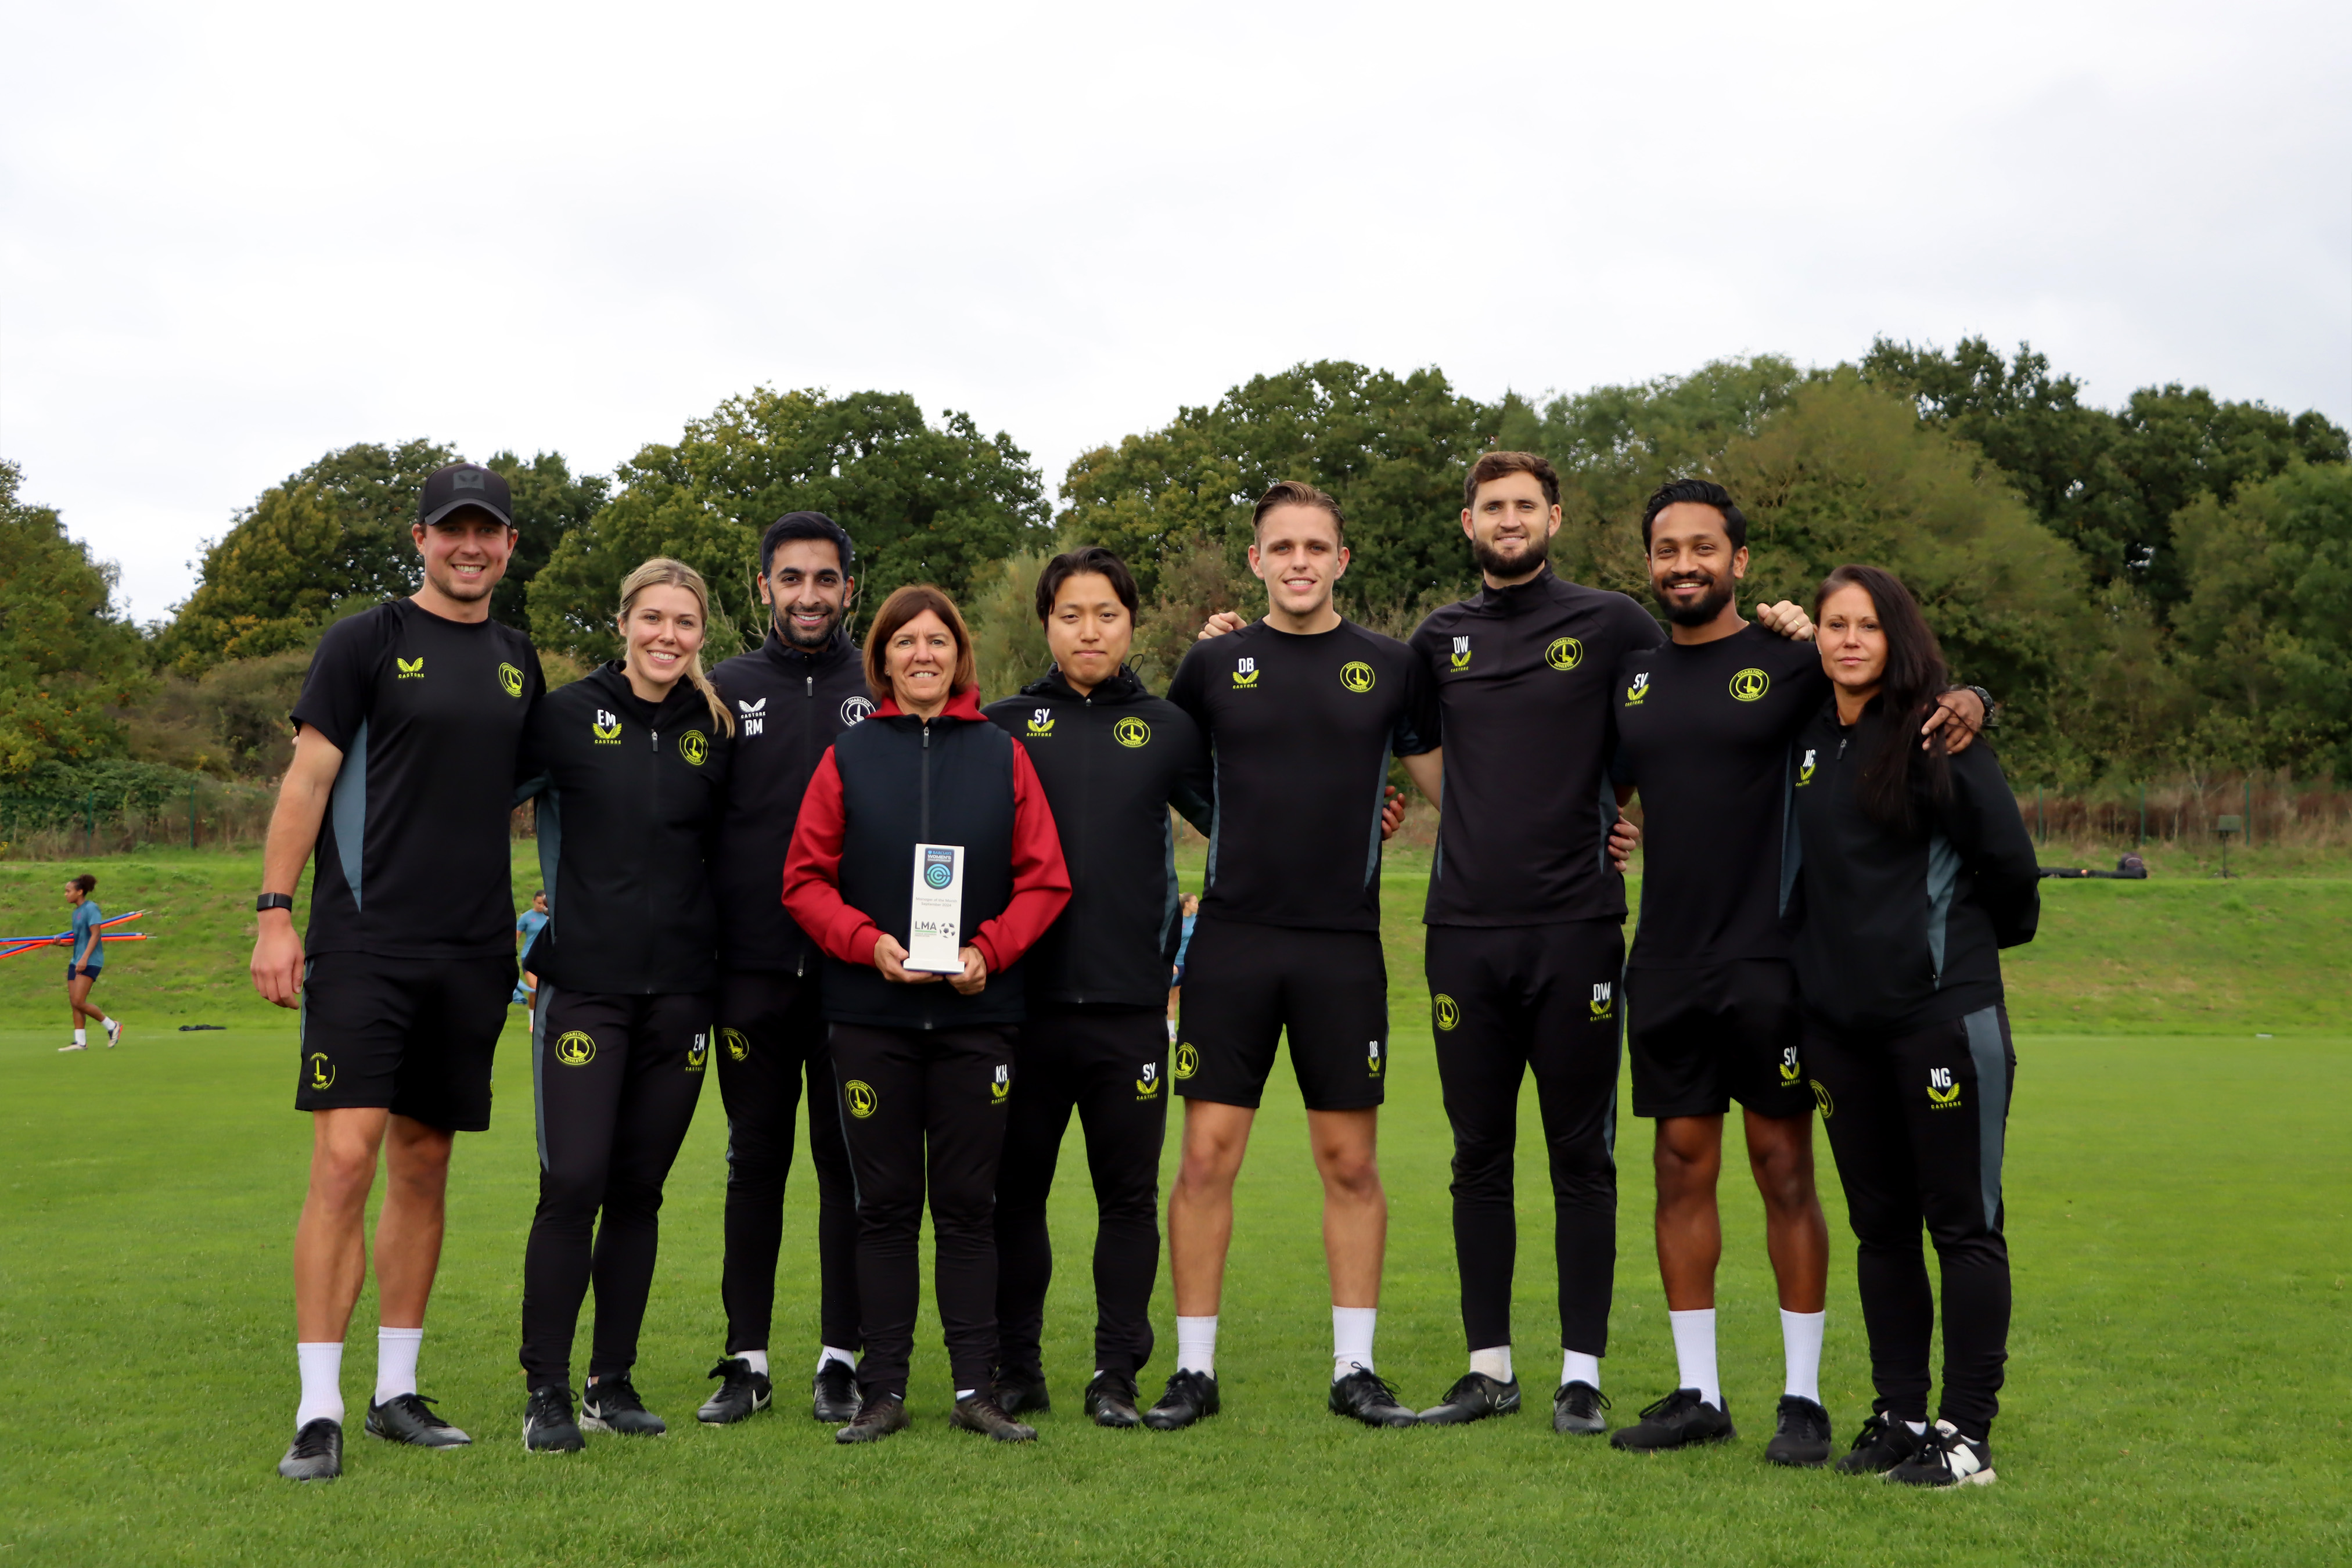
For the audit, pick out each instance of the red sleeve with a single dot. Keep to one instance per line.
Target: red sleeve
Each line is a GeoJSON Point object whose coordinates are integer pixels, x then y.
{"type": "Point", "coordinates": [813, 872]}
{"type": "Point", "coordinates": [1040, 883]}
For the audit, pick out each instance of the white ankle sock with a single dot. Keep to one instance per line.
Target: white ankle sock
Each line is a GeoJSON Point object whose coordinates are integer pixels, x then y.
{"type": "Point", "coordinates": [395, 1362]}
{"type": "Point", "coordinates": [1575, 1366]}
{"type": "Point", "coordinates": [1351, 1338]}
{"type": "Point", "coordinates": [1695, 1354]}
{"type": "Point", "coordinates": [1918, 1428]}
{"type": "Point", "coordinates": [1801, 1350]}
{"type": "Point", "coordinates": [1196, 1345]}
{"type": "Point", "coordinates": [1494, 1361]}
{"type": "Point", "coordinates": [758, 1361]}
{"type": "Point", "coordinates": [833, 1352]}
{"type": "Point", "coordinates": [322, 1382]}
{"type": "Point", "coordinates": [82, 1036]}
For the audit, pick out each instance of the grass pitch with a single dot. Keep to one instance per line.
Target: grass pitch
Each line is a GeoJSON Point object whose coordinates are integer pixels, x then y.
{"type": "Point", "coordinates": [2179, 1220]}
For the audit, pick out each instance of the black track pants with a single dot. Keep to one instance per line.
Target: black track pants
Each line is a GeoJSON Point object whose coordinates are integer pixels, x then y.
{"type": "Point", "coordinates": [1109, 1064]}
{"type": "Point", "coordinates": [1505, 1002]}
{"type": "Point", "coordinates": [925, 1109]}
{"type": "Point", "coordinates": [615, 1081]}
{"type": "Point", "coordinates": [1918, 1126]}
{"type": "Point", "coordinates": [772, 1034]}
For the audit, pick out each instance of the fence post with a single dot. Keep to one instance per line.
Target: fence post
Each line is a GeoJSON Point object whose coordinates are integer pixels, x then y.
{"type": "Point", "coordinates": [191, 814]}
{"type": "Point", "coordinates": [2249, 810]}
{"type": "Point", "coordinates": [2041, 832]}
{"type": "Point", "coordinates": [89, 824]}
{"type": "Point", "coordinates": [2143, 814]}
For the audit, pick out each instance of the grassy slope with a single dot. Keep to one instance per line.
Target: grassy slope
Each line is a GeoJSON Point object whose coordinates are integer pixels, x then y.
{"type": "Point", "coordinates": [2177, 1214]}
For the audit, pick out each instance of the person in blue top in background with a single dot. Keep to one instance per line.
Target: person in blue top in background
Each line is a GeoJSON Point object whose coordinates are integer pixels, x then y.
{"type": "Point", "coordinates": [527, 926]}
{"type": "Point", "coordinates": [88, 957]}
{"type": "Point", "coordinates": [1183, 945]}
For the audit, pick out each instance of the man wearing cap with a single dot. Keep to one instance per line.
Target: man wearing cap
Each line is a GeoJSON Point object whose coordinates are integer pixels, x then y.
{"type": "Point", "coordinates": [404, 770]}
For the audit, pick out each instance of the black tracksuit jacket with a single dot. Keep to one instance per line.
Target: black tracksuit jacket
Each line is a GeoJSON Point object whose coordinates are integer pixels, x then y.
{"type": "Point", "coordinates": [1902, 930]}
{"type": "Point", "coordinates": [789, 705]}
{"type": "Point", "coordinates": [1112, 763]}
{"type": "Point", "coordinates": [627, 806]}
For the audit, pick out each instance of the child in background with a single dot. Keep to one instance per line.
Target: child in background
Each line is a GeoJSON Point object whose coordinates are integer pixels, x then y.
{"type": "Point", "coordinates": [86, 959]}
{"type": "Point", "coordinates": [527, 926]}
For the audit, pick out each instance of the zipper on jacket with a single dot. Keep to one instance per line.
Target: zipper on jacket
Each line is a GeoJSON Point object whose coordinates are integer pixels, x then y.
{"type": "Point", "coordinates": [927, 783]}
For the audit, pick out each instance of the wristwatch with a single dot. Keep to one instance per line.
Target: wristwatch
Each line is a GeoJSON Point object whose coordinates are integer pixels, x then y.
{"type": "Point", "coordinates": [1991, 706]}
{"type": "Point", "coordinates": [273, 901]}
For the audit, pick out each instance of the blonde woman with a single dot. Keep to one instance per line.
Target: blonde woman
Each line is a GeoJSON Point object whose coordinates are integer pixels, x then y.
{"type": "Point", "coordinates": [631, 763]}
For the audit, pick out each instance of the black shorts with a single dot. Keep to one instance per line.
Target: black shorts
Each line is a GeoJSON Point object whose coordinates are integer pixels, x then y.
{"type": "Point", "coordinates": [415, 1035]}
{"type": "Point", "coordinates": [1247, 986]}
{"type": "Point", "coordinates": [1701, 1038]}
{"type": "Point", "coordinates": [92, 970]}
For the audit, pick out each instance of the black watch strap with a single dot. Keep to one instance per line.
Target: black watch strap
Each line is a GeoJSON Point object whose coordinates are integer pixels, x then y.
{"type": "Point", "coordinates": [273, 901]}
{"type": "Point", "coordinates": [1991, 706]}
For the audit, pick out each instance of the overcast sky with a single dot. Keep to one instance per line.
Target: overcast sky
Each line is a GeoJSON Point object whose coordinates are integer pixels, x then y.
{"type": "Point", "coordinates": [232, 237]}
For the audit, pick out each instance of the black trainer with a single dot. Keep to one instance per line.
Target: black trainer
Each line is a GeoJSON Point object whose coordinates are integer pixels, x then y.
{"type": "Point", "coordinates": [1474, 1397]}
{"type": "Point", "coordinates": [1190, 1396]}
{"type": "Point", "coordinates": [742, 1395]}
{"type": "Point", "coordinates": [547, 1424]}
{"type": "Point", "coordinates": [610, 1405]}
{"type": "Point", "coordinates": [1946, 1459]}
{"type": "Point", "coordinates": [980, 1413]}
{"type": "Point", "coordinates": [1110, 1400]}
{"type": "Point", "coordinates": [876, 1418]}
{"type": "Point", "coordinates": [1882, 1443]}
{"type": "Point", "coordinates": [833, 1398]}
{"type": "Point", "coordinates": [1800, 1434]}
{"type": "Point", "coordinates": [408, 1418]}
{"type": "Point", "coordinates": [1017, 1391]}
{"type": "Point", "coordinates": [316, 1454]}
{"type": "Point", "coordinates": [1575, 1410]}
{"type": "Point", "coordinates": [1363, 1396]}
{"type": "Point", "coordinates": [1677, 1421]}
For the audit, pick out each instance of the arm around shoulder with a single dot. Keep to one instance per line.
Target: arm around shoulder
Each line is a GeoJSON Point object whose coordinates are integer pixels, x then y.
{"type": "Point", "coordinates": [1984, 821]}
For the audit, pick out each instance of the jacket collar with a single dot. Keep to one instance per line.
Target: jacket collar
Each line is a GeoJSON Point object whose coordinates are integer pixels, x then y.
{"type": "Point", "coordinates": [786, 657]}
{"type": "Point", "coordinates": [1125, 686]}
{"type": "Point", "coordinates": [1519, 596]}
{"type": "Point", "coordinates": [612, 678]}
{"type": "Point", "coordinates": [964, 704]}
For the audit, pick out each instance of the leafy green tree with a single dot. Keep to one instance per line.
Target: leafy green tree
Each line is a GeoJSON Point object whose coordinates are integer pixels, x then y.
{"type": "Point", "coordinates": [2110, 482]}
{"type": "Point", "coordinates": [336, 537]}
{"type": "Point", "coordinates": [1008, 645]}
{"type": "Point", "coordinates": [1391, 450]}
{"type": "Point", "coordinates": [922, 502]}
{"type": "Point", "coordinates": [66, 655]}
{"type": "Point", "coordinates": [2263, 634]}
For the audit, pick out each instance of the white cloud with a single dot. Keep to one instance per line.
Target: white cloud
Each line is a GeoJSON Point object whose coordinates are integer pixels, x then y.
{"type": "Point", "coordinates": [237, 238]}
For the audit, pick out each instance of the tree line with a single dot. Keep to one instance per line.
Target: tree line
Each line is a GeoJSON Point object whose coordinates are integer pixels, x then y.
{"type": "Point", "coordinates": [2149, 589]}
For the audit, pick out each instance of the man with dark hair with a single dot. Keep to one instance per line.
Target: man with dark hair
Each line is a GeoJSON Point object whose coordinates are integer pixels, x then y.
{"type": "Point", "coordinates": [803, 687]}
{"type": "Point", "coordinates": [1304, 709]}
{"type": "Point", "coordinates": [1113, 759]}
{"type": "Point", "coordinates": [405, 743]}
{"type": "Point", "coordinates": [1704, 725]}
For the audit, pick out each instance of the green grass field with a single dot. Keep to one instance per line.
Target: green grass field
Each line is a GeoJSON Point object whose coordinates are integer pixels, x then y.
{"type": "Point", "coordinates": [2181, 1194]}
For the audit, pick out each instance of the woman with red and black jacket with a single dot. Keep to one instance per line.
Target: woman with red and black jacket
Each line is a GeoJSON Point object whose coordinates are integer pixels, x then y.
{"type": "Point", "coordinates": [924, 1069]}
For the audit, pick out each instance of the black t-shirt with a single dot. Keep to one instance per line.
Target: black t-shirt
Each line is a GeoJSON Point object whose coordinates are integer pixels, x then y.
{"type": "Point", "coordinates": [1522, 677]}
{"type": "Point", "coordinates": [429, 715]}
{"type": "Point", "coordinates": [1703, 732]}
{"type": "Point", "coordinates": [1301, 730]}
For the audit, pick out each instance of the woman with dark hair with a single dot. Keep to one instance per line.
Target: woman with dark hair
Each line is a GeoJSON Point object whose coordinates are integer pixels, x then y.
{"type": "Point", "coordinates": [85, 961]}
{"type": "Point", "coordinates": [925, 852]}
{"type": "Point", "coordinates": [1916, 870]}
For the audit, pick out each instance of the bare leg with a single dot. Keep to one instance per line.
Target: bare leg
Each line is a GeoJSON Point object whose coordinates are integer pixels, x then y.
{"type": "Point", "coordinates": [1780, 1154]}
{"type": "Point", "coordinates": [330, 1241]}
{"type": "Point", "coordinates": [1201, 1205]}
{"type": "Point", "coordinates": [1689, 1157]}
{"type": "Point", "coordinates": [77, 998]}
{"type": "Point", "coordinates": [1355, 1205]}
{"type": "Point", "coordinates": [408, 1231]}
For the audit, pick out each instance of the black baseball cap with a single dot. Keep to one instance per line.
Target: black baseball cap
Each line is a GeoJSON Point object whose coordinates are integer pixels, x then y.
{"type": "Point", "coordinates": [465, 484]}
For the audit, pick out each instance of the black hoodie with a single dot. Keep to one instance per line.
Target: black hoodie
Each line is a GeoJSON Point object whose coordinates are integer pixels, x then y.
{"type": "Point", "coordinates": [629, 794]}
{"type": "Point", "coordinates": [1901, 929]}
{"type": "Point", "coordinates": [788, 705]}
{"type": "Point", "coordinates": [1112, 763]}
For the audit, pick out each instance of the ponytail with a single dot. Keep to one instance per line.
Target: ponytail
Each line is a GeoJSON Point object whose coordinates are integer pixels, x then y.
{"type": "Point", "coordinates": [663, 572]}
